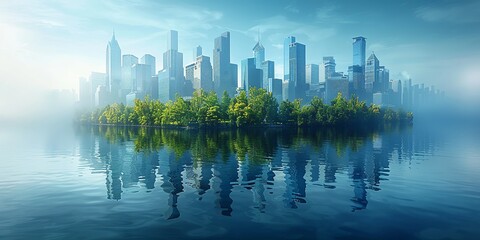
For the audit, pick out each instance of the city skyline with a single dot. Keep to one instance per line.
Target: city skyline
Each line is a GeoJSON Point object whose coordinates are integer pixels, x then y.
{"type": "Point", "coordinates": [419, 37]}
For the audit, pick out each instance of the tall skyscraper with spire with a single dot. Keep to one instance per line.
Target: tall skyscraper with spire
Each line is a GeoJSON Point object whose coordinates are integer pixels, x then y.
{"type": "Point", "coordinates": [113, 69]}
{"type": "Point", "coordinates": [224, 73]}
{"type": "Point", "coordinates": [371, 73]}
{"type": "Point", "coordinates": [259, 53]}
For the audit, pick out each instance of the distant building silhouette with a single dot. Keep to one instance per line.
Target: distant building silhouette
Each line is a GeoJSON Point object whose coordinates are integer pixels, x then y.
{"type": "Point", "coordinates": [250, 75]}
{"type": "Point", "coordinates": [172, 69]}
{"type": "Point", "coordinates": [113, 69]}
{"type": "Point", "coordinates": [294, 69]}
{"type": "Point", "coordinates": [224, 72]}
{"type": "Point", "coordinates": [268, 71]}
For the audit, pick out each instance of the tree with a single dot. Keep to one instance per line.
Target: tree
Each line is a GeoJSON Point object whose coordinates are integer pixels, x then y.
{"type": "Point", "coordinates": [239, 111]}
{"type": "Point", "coordinates": [288, 112]}
{"type": "Point", "coordinates": [177, 113]}
{"type": "Point", "coordinates": [224, 103]}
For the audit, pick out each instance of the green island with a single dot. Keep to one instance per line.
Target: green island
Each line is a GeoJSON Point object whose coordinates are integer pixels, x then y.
{"type": "Point", "coordinates": [258, 108]}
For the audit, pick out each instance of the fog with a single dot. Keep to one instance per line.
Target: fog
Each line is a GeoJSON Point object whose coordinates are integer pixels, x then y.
{"type": "Point", "coordinates": [47, 46]}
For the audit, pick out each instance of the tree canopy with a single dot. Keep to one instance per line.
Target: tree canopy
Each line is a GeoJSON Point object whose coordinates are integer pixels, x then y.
{"type": "Point", "coordinates": [259, 107]}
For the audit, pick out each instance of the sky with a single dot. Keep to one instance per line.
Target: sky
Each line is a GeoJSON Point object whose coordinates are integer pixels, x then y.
{"type": "Point", "coordinates": [51, 44]}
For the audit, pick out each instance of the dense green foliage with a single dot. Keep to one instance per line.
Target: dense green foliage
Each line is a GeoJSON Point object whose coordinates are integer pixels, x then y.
{"type": "Point", "coordinates": [260, 107]}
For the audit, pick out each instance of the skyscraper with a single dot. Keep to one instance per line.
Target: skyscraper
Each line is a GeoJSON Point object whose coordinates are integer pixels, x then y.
{"type": "Point", "coordinates": [359, 46]}
{"type": "Point", "coordinates": [189, 72]}
{"type": "Point", "coordinates": [286, 57]}
{"type": "Point", "coordinates": [295, 68]}
{"type": "Point", "coordinates": [164, 81]}
{"type": "Point", "coordinates": [356, 81]}
{"type": "Point", "coordinates": [251, 75]}
{"type": "Point", "coordinates": [268, 69]}
{"type": "Point", "coordinates": [312, 74]}
{"type": "Point", "coordinates": [335, 85]}
{"type": "Point", "coordinates": [172, 40]}
{"type": "Point", "coordinates": [198, 52]}
{"type": "Point", "coordinates": [371, 74]}
{"type": "Point", "coordinates": [329, 65]}
{"type": "Point", "coordinates": [173, 66]}
{"type": "Point", "coordinates": [128, 61]}
{"type": "Point", "coordinates": [202, 75]}
{"type": "Point", "coordinates": [259, 54]}
{"type": "Point", "coordinates": [383, 80]}
{"type": "Point", "coordinates": [113, 68]}
{"type": "Point", "coordinates": [275, 87]}
{"type": "Point", "coordinates": [224, 73]}
{"type": "Point", "coordinates": [142, 79]}
{"type": "Point", "coordinates": [149, 60]}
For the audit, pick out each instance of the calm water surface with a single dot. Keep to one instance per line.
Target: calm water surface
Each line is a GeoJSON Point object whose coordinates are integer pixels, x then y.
{"type": "Point", "coordinates": [420, 182]}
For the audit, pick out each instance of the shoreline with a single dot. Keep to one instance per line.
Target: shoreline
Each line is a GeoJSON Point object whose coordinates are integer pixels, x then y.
{"type": "Point", "coordinates": [228, 126]}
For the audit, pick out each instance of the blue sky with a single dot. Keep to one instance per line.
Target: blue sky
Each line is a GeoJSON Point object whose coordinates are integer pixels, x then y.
{"type": "Point", "coordinates": [50, 44]}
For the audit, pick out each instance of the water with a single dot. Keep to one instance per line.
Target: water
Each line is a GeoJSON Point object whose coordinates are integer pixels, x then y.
{"type": "Point", "coordinates": [420, 182]}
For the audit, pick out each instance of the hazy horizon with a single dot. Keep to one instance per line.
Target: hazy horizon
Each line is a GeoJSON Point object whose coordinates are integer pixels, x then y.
{"type": "Point", "coordinates": [50, 45]}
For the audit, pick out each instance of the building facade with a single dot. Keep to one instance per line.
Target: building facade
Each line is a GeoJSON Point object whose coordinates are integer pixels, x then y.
{"type": "Point", "coordinates": [224, 73]}
{"type": "Point", "coordinates": [202, 76]}
{"type": "Point", "coordinates": [312, 74]}
{"type": "Point", "coordinates": [173, 65]}
{"type": "Point", "coordinates": [251, 76]}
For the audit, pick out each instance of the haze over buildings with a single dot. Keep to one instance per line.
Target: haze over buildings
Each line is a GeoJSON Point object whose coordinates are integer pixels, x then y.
{"type": "Point", "coordinates": [55, 43]}
{"type": "Point", "coordinates": [368, 81]}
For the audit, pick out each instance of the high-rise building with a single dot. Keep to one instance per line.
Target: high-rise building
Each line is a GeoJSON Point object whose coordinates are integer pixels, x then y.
{"type": "Point", "coordinates": [164, 81]}
{"type": "Point", "coordinates": [286, 57]}
{"type": "Point", "coordinates": [312, 74]}
{"type": "Point", "coordinates": [251, 75]}
{"type": "Point", "coordinates": [172, 40]}
{"type": "Point", "coordinates": [96, 79]}
{"type": "Point", "coordinates": [202, 76]}
{"type": "Point", "coordinates": [128, 61]}
{"type": "Point", "coordinates": [397, 90]}
{"type": "Point", "coordinates": [101, 96]}
{"type": "Point", "coordinates": [329, 65]}
{"type": "Point", "coordinates": [356, 80]}
{"type": "Point", "coordinates": [268, 68]}
{"type": "Point", "coordinates": [173, 65]}
{"type": "Point", "coordinates": [224, 72]}
{"type": "Point", "coordinates": [113, 68]}
{"type": "Point", "coordinates": [371, 73]}
{"type": "Point", "coordinates": [383, 80]}
{"type": "Point", "coordinates": [142, 79]}
{"type": "Point", "coordinates": [189, 72]}
{"type": "Point", "coordinates": [259, 54]}
{"type": "Point", "coordinates": [359, 46]}
{"type": "Point", "coordinates": [294, 72]}
{"type": "Point", "coordinates": [148, 59]}
{"type": "Point", "coordinates": [189, 75]}
{"type": "Point", "coordinates": [198, 52]}
{"type": "Point", "coordinates": [335, 85]}
{"type": "Point", "coordinates": [275, 87]}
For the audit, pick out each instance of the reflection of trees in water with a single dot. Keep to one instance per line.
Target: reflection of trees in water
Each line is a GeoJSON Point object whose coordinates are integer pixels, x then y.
{"type": "Point", "coordinates": [220, 160]}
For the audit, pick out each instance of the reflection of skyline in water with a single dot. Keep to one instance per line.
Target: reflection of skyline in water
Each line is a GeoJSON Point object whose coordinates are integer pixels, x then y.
{"type": "Point", "coordinates": [222, 162]}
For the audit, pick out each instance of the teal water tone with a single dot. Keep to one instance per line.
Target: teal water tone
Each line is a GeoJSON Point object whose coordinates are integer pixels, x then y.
{"type": "Point", "coordinates": [410, 182]}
